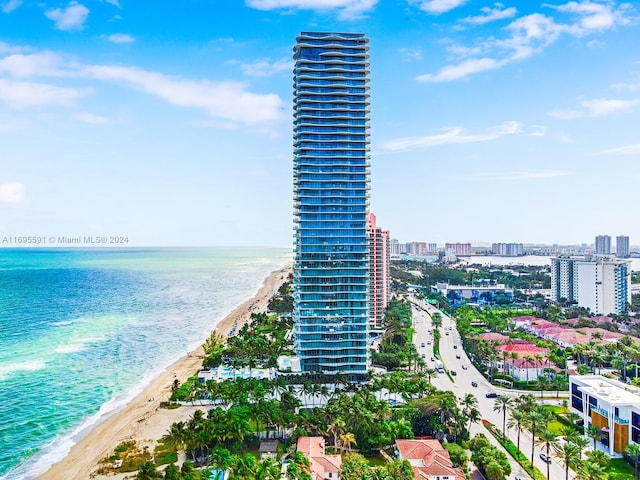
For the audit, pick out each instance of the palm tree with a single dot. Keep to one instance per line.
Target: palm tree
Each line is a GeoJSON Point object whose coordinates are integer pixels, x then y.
{"type": "Point", "coordinates": [517, 420]}
{"type": "Point", "coordinates": [548, 439]}
{"type": "Point", "coordinates": [430, 373]}
{"type": "Point", "coordinates": [595, 433]}
{"type": "Point", "coordinates": [347, 440]}
{"type": "Point", "coordinates": [591, 471]}
{"type": "Point", "coordinates": [502, 404]}
{"type": "Point", "coordinates": [534, 423]}
{"type": "Point", "coordinates": [569, 453]}
{"type": "Point", "coordinates": [633, 450]}
{"type": "Point", "coordinates": [174, 438]}
{"type": "Point", "coordinates": [528, 361]}
{"type": "Point", "coordinates": [148, 471]}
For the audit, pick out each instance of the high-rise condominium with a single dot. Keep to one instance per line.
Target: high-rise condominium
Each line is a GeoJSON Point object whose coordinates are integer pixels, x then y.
{"type": "Point", "coordinates": [600, 284]}
{"type": "Point", "coordinates": [331, 197]}
{"type": "Point", "coordinates": [622, 246]}
{"type": "Point", "coordinates": [603, 245]}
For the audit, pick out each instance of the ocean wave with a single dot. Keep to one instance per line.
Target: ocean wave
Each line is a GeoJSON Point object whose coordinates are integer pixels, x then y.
{"type": "Point", "coordinates": [8, 370]}
{"type": "Point", "coordinates": [59, 448]}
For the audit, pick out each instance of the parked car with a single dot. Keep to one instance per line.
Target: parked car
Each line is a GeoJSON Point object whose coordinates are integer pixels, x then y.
{"type": "Point", "coordinates": [453, 372]}
{"type": "Point", "coordinates": [458, 357]}
{"type": "Point", "coordinates": [455, 347]}
{"type": "Point", "coordinates": [423, 355]}
{"type": "Point", "coordinates": [474, 384]}
{"type": "Point", "coordinates": [544, 458]}
{"type": "Point", "coordinates": [446, 333]}
{"type": "Point", "coordinates": [422, 344]}
{"type": "Point", "coordinates": [464, 367]}
{"type": "Point", "coordinates": [433, 359]}
{"type": "Point", "coordinates": [491, 395]}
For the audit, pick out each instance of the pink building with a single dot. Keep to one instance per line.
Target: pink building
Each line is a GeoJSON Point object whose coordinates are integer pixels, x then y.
{"type": "Point", "coordinates": [429, 460]}
{"type": "Point", "coordinates": [323, 467]}
{"type": "Point", "coordinates": [379, 252]}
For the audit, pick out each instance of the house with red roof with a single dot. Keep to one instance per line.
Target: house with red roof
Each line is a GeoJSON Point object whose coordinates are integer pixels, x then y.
{"type": "Point", "coordinates": [323, 467]}
{"type": "Point", "coordinates": [529, 362]}
{"type": "Point", "coordinates": [493, 337]}
{"type": "Point", "coordinates": [430, 461]}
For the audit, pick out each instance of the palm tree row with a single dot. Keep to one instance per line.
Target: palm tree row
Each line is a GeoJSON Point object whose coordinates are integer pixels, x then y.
{"type": "Point", "coordinates": [570, 446]}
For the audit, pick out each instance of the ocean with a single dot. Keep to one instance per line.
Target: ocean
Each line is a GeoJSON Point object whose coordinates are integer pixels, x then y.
{"type": "Point", "coordinates": [83, 331]}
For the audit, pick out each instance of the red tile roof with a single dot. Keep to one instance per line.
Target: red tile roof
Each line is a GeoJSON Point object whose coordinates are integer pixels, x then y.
{"type": "Point", "coordinates": [523, 349]}
{"type": "Point", "coordinates": [320, 464]}
{"type": "Point", "coordinates": [493, 337]}
{"type": "Point", "coordinates": [428, 458]}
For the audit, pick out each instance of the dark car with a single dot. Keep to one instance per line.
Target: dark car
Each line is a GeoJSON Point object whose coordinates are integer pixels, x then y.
{"type": "Point", "coordinates": [474, 384]}
{"type": "Point", "coordinates": [458, 357]}
{"type": "Point", "coordinates": [544, 458]}
{"type": "Point", "coordinates": [453, 372]}
{"type": "Point", "coordinates": [455, 346]}
{"type": "Point", "coordinates": [491, 395]}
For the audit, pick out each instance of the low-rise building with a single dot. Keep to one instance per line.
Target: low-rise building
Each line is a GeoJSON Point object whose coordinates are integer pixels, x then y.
{"type": "Point", "coordinates": [322, 466]}
{"type": "Point", "coordinates": [428, 459]}
{"type": "Point", "coordinates": [480, 294]}
{"type": "Point", "coordinates": [611, 406]}
{"type": "Point", "coordinates": [524, 361]}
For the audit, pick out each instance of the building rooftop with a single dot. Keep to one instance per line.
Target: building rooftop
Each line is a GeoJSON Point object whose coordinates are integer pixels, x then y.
{"type": "Point", "coordinates": [613, 392]}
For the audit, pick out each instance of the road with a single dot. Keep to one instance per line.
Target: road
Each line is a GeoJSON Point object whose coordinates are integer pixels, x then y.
{"type": "Point", "coordinates": [462, 383]}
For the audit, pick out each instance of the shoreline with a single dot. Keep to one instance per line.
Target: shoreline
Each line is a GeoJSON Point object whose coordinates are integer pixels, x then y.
{"type": "Point", "coordinates": [141, 419]}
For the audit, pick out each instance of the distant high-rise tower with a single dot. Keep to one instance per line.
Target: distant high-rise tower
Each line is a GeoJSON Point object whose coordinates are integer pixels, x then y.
{"type": "Point", "coordinates": [379, 252]}
{"type": "Point", "coordinates": [600, 284]}
{"type": "Point", "coordinates": [603, 245]}
{"type": "Point", "coordinates": [331, 198]}
{"type": "Point", "coordinates": [622, 246]}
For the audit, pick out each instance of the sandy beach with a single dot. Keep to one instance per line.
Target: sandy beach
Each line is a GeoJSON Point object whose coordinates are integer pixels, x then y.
{"type": "Point", "coordinates": [142, 419]}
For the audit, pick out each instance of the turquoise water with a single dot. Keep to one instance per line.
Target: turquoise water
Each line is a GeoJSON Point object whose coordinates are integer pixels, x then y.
{"type": "Point", "coordinates": [83, 331]}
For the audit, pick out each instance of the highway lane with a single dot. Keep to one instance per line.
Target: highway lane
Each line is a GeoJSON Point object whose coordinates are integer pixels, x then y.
{"type": "Point", "coordinates": [462, 383]}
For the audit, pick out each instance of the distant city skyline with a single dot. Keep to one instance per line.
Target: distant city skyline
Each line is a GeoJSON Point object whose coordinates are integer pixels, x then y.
{"type": "Point", "coordinates": [171, 125]}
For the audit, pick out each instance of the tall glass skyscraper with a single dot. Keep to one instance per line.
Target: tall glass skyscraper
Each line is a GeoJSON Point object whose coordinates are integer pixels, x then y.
{"type": "Point", "coordinates": [331, 199]}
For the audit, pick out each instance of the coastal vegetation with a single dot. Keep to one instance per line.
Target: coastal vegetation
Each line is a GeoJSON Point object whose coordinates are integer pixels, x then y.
{"type": "Point", "coordinates": [357, 420]}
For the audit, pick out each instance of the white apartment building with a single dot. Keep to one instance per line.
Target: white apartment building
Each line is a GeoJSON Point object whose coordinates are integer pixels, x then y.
{"type": "Point", "coordinates": [611, 406]}
{"type": "Point", "coordinates": [622, 246]}
{"type": "Point", "coordinates": [601, 284]}
{"type": "Point", "coordinates": [603, 245]}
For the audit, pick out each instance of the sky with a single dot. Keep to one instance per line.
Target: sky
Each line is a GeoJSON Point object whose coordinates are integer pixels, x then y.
{"type": "Point", "coordinates": [170, 123]}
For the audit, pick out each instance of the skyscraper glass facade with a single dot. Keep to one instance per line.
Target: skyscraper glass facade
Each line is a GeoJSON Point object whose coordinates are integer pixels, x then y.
{"type": "Point", "coordinates": [331, 198]}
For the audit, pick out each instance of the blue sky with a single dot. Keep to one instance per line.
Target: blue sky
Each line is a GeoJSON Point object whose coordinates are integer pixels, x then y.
{"type": "Point", "coordinates": [515, 121]}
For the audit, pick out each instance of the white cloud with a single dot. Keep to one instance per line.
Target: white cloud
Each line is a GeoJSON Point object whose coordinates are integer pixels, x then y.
{"type": "Point", "coordinates": [70, 18]}
{"type": "Point", "coordinates": [266, 68]}
{"type": "Point", "coordinates": [491, 14]}
{"type": "Point", "coordinates": [626, 150]}
{"type": "Point", "coordinates": [227, 100]}
{"type": "Point", "coordinates": [34, 65]}
{"type": "Point", "coordinates": [461, 70]}
{"type": "Point", "coordinates": [531, 34]}
{"type": "Point", "coordinates": [115, 3]}
{"type": "Point", "coordinates": [631, 87]}
{"type": "Point", "coordinates": [436, 7]}
{"type": "Point", "coordinates": [120, 38]}
{"type": "Point", "coordinates": [410, 54]}
{"type": "Point", "coordinates": [537, 131]}
{"type": "Point", "coordinates": [92, 119]}
{"type": "Point", "coordinates": [526, 175]}
{"type": "Point", "coordinates": [592, 16]}
{"type": "Point", "coordinates": [6, 48]}
{"type": "Point", "coordinates": [348, 8]}
{"type": "Point", "coordinates": [10, 5]}
{"type": "Point", "coordinates": [14, 192]}
{"type": "Point", "coordinates": [454, 135]}
{"type": "Point", "coordinates": [28, 94]}
{"type": "Point", "coordinates": [595, 108]}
